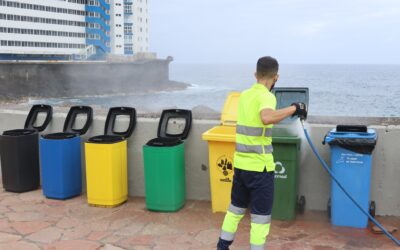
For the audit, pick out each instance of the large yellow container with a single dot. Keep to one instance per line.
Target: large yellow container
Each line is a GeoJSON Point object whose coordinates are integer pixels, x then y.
{"type": "Point", "coordinates": [106, 173]}
{"type": "Point", "coordinates": [221, 146]}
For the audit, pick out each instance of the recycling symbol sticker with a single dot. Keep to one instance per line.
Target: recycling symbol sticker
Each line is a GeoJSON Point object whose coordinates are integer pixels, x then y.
{"type": "Point", "coordinates": [225, 165]}
{"type": "Point", "coordinates": [280, 171]}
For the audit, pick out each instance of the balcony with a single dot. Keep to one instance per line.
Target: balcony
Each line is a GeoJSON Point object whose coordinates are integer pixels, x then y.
{"type": "Point", "coordinates": [128, 12]}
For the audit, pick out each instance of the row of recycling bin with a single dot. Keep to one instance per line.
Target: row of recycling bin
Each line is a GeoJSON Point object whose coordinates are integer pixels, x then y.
{"type": "Point", "coordinates": [105, 155]}
{"type": "Point", "coordinates": [164, 163]}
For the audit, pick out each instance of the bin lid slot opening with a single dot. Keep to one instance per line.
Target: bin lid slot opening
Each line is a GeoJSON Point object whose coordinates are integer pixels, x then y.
{"type": "Point", "coordinates": [35, 114]}
{"type": "Point", "coordinates": [175, 123]}
{"type": "Point", "coordinates": [76, 112]}
{"type": "Point", "coordinates": [113, 117]}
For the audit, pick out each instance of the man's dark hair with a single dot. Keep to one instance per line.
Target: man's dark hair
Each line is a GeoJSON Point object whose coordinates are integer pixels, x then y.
{"type": "Point", "coordinates": [267, 66]}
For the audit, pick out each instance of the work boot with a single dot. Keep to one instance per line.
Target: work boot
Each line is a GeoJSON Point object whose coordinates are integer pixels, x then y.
{"type": "Point", "coordinates": [223, 244]}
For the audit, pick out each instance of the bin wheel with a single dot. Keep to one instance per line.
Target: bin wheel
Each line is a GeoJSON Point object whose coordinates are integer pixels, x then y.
{"type": "Point", "coordinates": [329, 208]}
{"type": "Point", "coordinates": [301, 204]}
{"type": "Point", "coordinates": [372, 208]}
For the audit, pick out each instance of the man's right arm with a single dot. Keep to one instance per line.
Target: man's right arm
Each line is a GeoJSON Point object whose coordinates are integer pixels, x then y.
{"type": "Point", "coordinates": [270, 116]}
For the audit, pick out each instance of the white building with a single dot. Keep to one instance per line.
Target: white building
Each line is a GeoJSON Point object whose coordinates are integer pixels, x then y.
{"type": "Point", "coordinates": [132, 16]}
{"type": "Point", "coordinates": [72, 29]}
{"type": "Point", "coordinates": [140, 20]}
{"type": "Point", "coordinates": [117, 28]}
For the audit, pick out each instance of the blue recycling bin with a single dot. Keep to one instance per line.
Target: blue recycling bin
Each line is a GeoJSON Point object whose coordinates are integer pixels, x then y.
{"type": "Point", "coordinates": [60, 155]}
{"type": "Point", "coordinates": [351, 160]}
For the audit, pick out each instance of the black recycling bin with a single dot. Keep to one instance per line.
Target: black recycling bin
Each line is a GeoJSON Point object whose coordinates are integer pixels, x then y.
{"type": "Point", "coordinates": [19, 151]}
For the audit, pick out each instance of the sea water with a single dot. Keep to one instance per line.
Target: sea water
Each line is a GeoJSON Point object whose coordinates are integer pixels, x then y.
{"type": "Point", "coordinates": [342, 90]}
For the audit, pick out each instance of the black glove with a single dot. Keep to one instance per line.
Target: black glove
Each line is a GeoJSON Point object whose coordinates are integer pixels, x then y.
{"type": "Point", "coordinates": [301, 110]}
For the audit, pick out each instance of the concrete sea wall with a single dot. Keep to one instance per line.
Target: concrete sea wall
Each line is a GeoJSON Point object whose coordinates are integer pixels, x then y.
{"type": "Point", "coordinates": [314, 183]}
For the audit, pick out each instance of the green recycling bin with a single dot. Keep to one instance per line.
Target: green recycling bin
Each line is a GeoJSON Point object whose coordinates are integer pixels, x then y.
{"type": "Point", "coordinates": [286, 156]}
{"type": "Point", "coordinates": [164, 162]}
{"type": "Point", "coordinates": [286, 142]}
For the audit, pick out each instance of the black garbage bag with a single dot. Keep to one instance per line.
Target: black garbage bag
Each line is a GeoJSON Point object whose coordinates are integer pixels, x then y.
{"type": "Point", "coordinates": [357, 145]}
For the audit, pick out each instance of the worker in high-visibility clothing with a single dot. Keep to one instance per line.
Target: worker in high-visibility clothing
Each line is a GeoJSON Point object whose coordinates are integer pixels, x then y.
{"type": "Point", "coordinates": [253, 181]}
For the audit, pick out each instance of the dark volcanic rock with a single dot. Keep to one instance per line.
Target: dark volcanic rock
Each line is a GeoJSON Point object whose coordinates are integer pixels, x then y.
{"type": "Point", "coordinates": [74, 79]}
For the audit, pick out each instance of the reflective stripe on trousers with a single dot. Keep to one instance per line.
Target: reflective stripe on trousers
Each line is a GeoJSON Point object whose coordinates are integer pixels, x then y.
{"type": "Point", "coordinates": [231, 222]}
{"type": "Point", "coordinates": [258, 149]}
{"type": "Point", "coordinates": [260, 225]}
{"type": "Point", "coordinates": [253, 131]}
{"type": "Point", "coordinates": [257, 247]}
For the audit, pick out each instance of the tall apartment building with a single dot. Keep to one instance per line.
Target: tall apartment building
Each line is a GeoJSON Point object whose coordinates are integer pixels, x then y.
{"type": "Point", "coordinates": [129, 20]}
{"type": "Point", "coordinates": [72, 29]}
{"type": "Point", "coordinates": [140, 25]}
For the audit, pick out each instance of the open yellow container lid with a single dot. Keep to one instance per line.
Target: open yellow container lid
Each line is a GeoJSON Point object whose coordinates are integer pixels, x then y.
{"type": "Point", "coordinates": [220, 134]}
{"type": "Point", "coordinates": [229, 113]}
{"type": "Point", "coordinates": [227, 131]}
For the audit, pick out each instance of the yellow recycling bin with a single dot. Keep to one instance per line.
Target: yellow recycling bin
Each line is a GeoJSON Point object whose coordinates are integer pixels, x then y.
{"type": "Point", "coordinates": [107, 163]}
{"type": "Point", "coordinates": [221, 146]}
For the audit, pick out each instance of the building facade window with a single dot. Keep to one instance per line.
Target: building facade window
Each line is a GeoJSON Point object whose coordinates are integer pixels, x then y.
{"type": "Point", "coordinates": [42, 44]}
{"type": "Point", "coordinates": [31, 19]}
{"type": "Point", "coordinates": [42, 8]}
{"type": "Point", "coordinates": [127, 29]}
{"type": "Point", "coordinates": [42, 32]}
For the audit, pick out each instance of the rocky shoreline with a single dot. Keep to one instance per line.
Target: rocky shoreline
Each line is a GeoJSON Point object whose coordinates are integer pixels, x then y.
{"type": "Point", "coordinates": [16, 98]}
{"type": "Point", "coordinates": [19, 80]}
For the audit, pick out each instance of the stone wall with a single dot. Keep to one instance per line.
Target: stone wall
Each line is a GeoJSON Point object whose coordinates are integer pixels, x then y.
{"type": "Point", "coordinates": [314, 183]}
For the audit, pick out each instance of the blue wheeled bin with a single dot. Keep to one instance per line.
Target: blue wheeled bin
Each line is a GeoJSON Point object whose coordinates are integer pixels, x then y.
{"type": "Point", "coordinates": [351, 160]}
{"type": "Point", "coordinates": [19, 152]}
{"type": "Point", "coordinates": [60, 155]}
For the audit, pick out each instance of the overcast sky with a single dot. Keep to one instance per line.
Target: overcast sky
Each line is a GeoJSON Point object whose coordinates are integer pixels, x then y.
{"type": "Point", "coordinates": [294, 31]}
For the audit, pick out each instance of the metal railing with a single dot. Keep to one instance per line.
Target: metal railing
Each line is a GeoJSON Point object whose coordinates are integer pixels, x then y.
{"type": "Point", "coordinates": [87, 52]}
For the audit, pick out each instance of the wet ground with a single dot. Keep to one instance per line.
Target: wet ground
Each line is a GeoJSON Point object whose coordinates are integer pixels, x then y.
{"type": "Point", "coordinates": [30, 221]}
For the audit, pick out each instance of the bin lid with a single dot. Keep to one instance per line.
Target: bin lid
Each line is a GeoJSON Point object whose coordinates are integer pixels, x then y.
{"type": "Point", "coordinates": [73, 114]}
{"type": "Point", "coordinates": [170, 125]}
{"type": "Point", "coordinates": [19, 132]}
{"type": "Point", "coordinates": [286, 140]}
{"type": "Point", "coordinates": [334, 133]}
{"type": "Point", "coordinates": [33, 115]}
{"type": "Point", "coordinates": [59, 136]}
{"type": "Point", "coordinates": [69, 131]}
{"type": "Point", "coordinates": [229, 112]}
{"type": "Point", "coordinates": [113, 114]}
{"type": "Point", "coordinates": [164, 142]}
{"type": "Point", "coordinates": [286, 96]}
{"type": "Point", "coordinates": [352, 128]}
{"type": "Point", "coordinates": [106, 139]}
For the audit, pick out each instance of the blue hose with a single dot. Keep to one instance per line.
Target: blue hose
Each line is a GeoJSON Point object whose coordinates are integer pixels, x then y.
{"type": "Point", "coordinates": [326, 167]}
